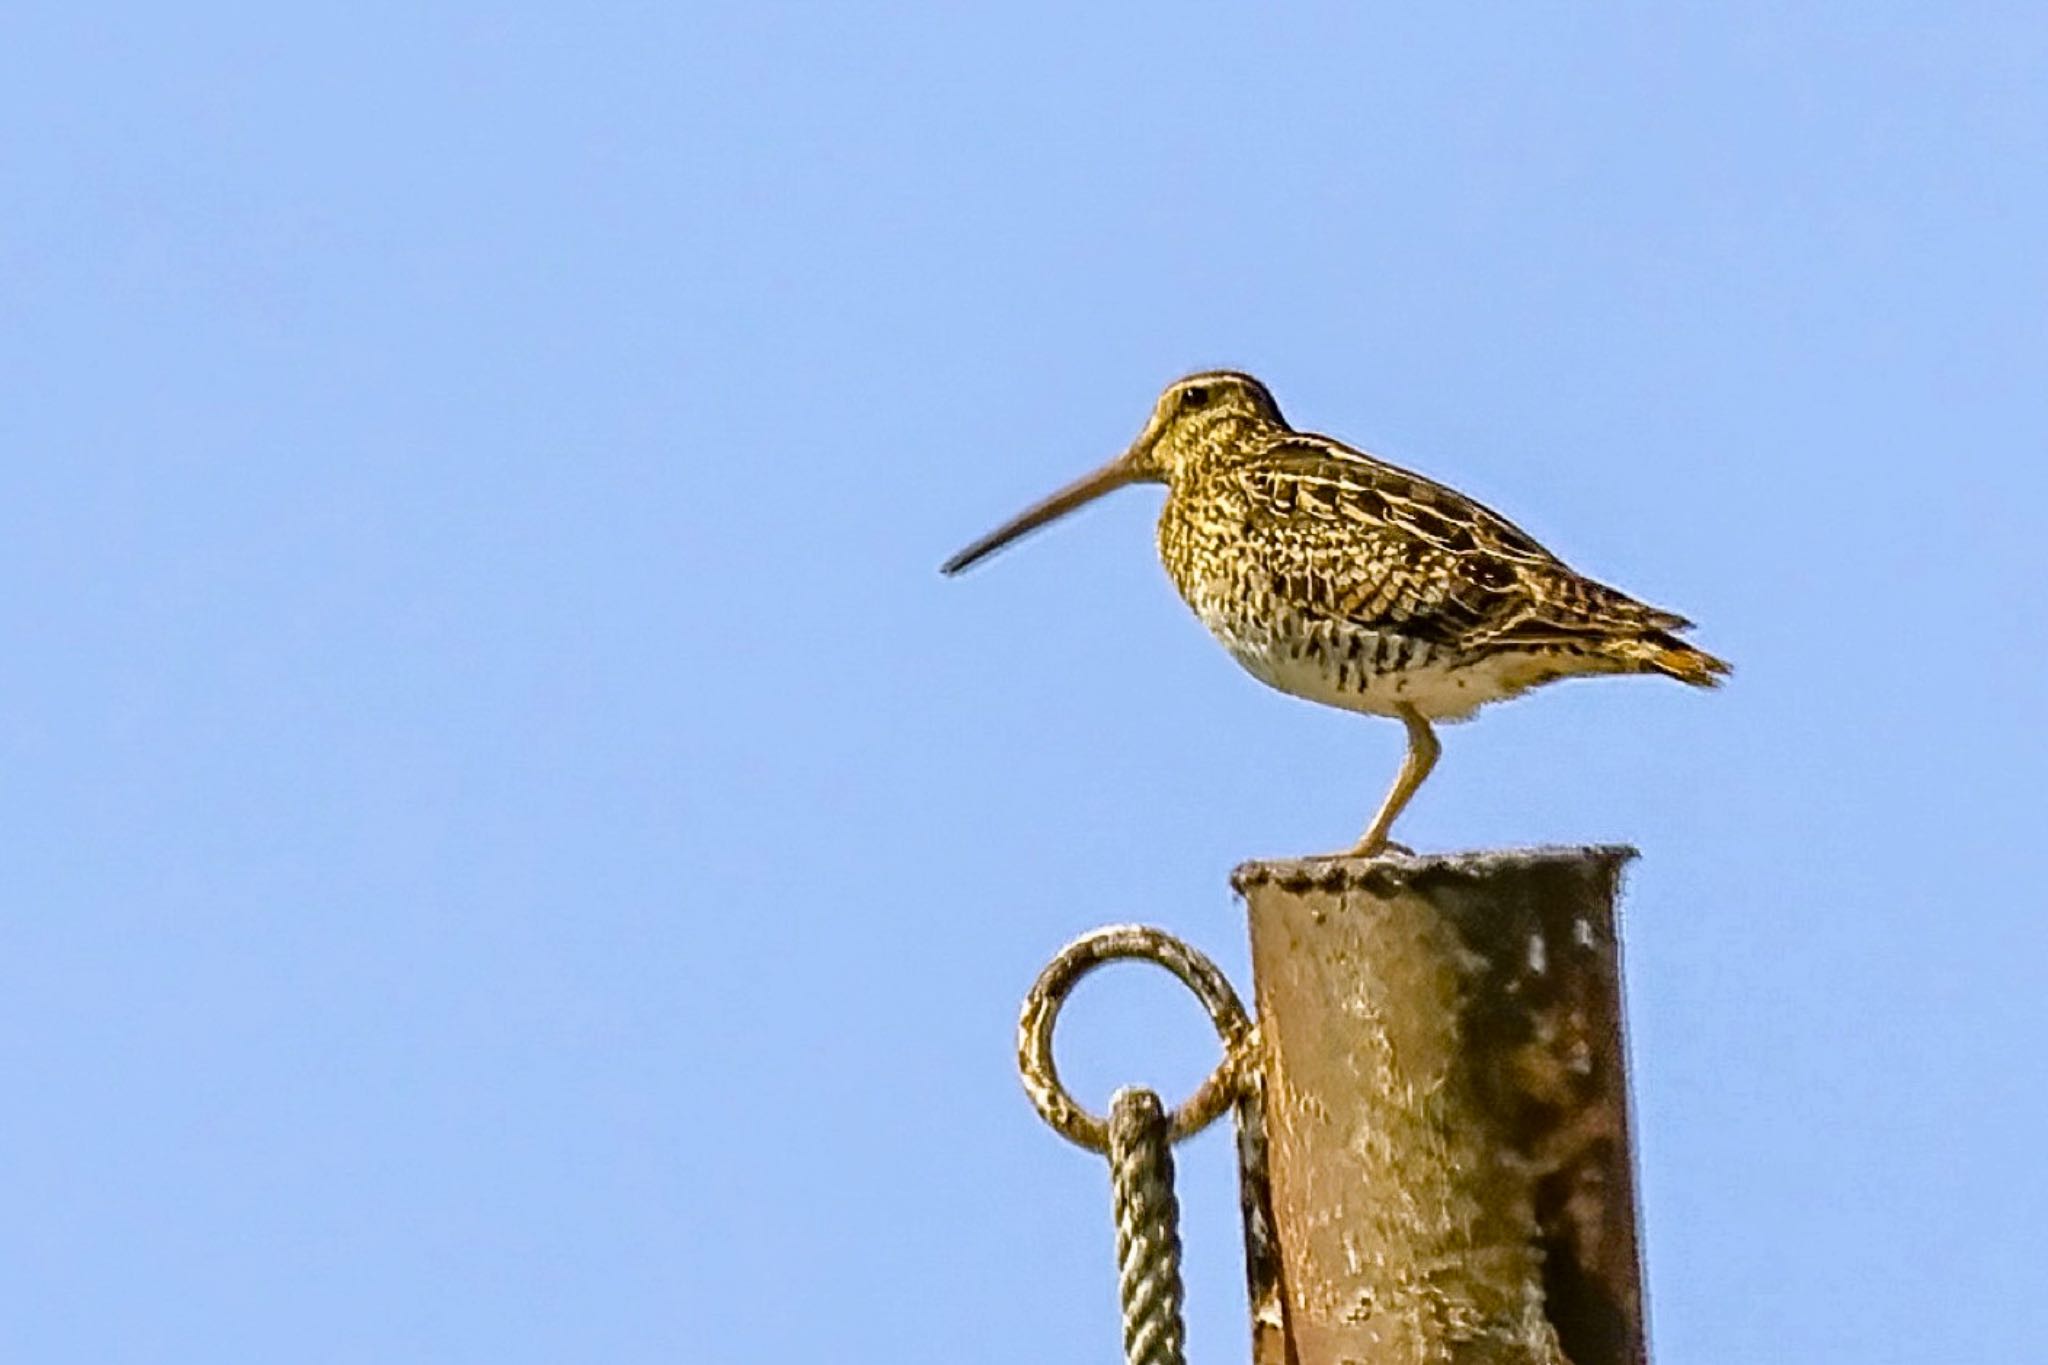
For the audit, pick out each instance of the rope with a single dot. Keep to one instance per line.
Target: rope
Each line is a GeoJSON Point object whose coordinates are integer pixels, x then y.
{"type": "Point", "coordinates": [1271, 1342]}
{"type": "Point", "coordinates": [1138, 1138]}
{"type": "Point", "coordinates": [1147, 1229]}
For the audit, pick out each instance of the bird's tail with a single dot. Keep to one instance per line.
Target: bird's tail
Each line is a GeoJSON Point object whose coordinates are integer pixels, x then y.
{"type": "Point", "coordinates": [1659, 652]}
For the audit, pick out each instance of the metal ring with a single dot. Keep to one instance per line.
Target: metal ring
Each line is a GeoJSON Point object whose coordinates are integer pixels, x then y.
{"type": "Point", "coordinates": [1084, 955]}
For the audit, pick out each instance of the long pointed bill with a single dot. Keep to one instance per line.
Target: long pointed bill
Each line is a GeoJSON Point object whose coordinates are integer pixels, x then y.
{"type": "Point", "coordinates": [1118, 472]}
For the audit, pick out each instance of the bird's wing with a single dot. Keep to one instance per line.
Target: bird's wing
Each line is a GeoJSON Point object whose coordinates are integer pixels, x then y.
{"type": "Point", "coordinates": [1389, 549]}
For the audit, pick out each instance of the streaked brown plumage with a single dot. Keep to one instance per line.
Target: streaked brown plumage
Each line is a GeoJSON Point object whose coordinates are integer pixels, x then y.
{"type": "Point", "coordinates": [1337, 577]}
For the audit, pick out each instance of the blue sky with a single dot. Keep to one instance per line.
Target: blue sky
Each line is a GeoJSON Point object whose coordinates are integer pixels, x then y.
{"type": "Point", "coordinates": [513, 853]}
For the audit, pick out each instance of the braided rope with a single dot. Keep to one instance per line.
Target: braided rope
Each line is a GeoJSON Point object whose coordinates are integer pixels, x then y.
{"type": "Point", "coordinates": [1147, 1229]}
{"type": "Point", "coordinates": [1139, 1135]}
{"type": "Point", "coordinates": [1271, 1343]}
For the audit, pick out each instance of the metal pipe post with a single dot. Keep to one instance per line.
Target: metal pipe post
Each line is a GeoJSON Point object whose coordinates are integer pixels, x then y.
{"type": "Point", "coordinates": [1447, 1108]}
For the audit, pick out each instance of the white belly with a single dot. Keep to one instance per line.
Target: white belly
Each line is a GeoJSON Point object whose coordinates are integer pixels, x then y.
{"type": "Point", "coordinates": [1383, 675]}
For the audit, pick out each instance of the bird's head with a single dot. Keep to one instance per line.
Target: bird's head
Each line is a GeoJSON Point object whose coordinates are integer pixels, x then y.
{"type": "Point", "coordinates": [1195, 422]}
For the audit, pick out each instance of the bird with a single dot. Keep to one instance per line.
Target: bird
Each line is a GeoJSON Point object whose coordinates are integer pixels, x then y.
{"type": "Point", "coordinates": [1337, 577]}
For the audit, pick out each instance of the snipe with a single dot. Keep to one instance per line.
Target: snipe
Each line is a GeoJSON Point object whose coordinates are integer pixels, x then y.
{"type": "Point", "coordinates": [1337, 577]}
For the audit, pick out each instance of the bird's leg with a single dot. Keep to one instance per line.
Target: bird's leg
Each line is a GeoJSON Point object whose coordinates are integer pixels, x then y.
{"type": "Point", "coordinates": [1422, 753]}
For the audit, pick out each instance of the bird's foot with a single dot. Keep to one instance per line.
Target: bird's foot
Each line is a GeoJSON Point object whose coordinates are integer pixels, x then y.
{"type": "Point", "coordinates": [1370, 848]}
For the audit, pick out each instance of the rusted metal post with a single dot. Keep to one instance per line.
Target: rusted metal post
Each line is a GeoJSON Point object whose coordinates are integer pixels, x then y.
{"type": "Point", "coordinates": [1447, 1107]}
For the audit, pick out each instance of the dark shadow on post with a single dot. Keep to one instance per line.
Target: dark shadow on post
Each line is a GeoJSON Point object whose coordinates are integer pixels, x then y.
{"type": "Point", "coordinates": [1447, 1107]}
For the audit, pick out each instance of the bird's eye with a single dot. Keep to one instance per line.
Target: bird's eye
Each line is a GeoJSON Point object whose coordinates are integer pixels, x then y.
{"type": "Point", "coordinates": [1194, 397]}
